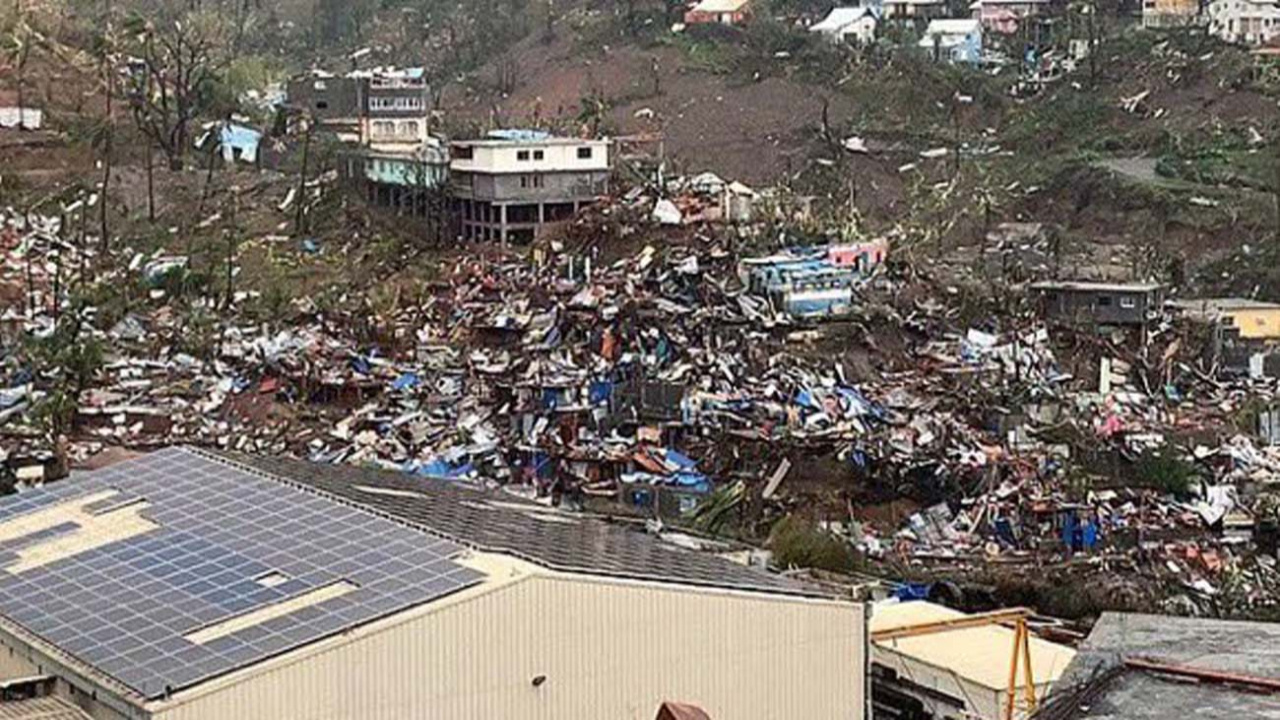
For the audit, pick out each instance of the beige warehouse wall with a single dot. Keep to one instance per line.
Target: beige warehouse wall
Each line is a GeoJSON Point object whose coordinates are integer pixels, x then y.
{"type": "Point", "coordinates": [608, 650]}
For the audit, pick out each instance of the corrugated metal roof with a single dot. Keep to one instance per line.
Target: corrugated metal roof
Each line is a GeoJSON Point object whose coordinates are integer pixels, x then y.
{"type": "Point", "coordinates": [505, 524]}
{"type": "Point", "coordinates": [1083, 286]}
{"type": "Point", "coordinates": [981, 655]}
{"type": "Point", "coordinates": [720, 6]}
{"type": "Point", "coordinates": [46, 708]}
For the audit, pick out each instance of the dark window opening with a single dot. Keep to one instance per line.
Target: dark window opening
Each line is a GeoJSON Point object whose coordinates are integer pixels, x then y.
{"type": "Point", "coordinates": [1104, 301]}
{"type": "Point", "coordinates": [322, 105]}
{"type": "Point", "coordinates": [538, 155]}
{"type": "Point", "coordinates": [584, 153]}
{"type": "Point", "coordinates": [522, 155]}
{"type": "Point", "coordinates": [464, 152]}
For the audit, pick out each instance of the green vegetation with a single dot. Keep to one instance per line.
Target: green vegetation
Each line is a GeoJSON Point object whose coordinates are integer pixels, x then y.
{"type": "Point", "coordinates": [1164, 469]}
{"type": "Point", "coordinates": [798, 543]}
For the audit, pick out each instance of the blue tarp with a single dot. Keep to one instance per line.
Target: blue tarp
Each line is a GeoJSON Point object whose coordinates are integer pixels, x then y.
{"type": "Point", "coordinates": [600, 392]}
{"type": "Point", "coordinates": [406, 381]}
{"type": "Point", "coordinates": [697, 482]}
{"type": "Point", "coordinates": [238, 140]}
{"type": "Point", "coordinates": [681, 461]}
{"type": "Point", "coordinates": [913, 591]}
{"type": "Point", "coordinates": [520, 135]}
{"type": "Point", "coordinates": [439, 468]}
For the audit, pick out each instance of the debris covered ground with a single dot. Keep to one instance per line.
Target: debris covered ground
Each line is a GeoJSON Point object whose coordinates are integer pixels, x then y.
{"type": "Point", "coordinates": [929, 436]}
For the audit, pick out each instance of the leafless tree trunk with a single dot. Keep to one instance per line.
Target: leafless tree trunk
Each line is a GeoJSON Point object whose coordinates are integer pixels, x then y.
{"type": "Point", "coordinates": [302, 179]}
{"type": "Point", "coordinates": [108, 76]}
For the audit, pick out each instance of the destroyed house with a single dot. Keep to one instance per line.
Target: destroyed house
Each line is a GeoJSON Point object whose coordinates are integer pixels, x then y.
{"type": "Point", "coordinates": [1104, 304]}
{"type": "Point", "coordinates": [508, 185]}
{"type": "Point", "coordinates": [811, 282]}
{"type": "Point", "coordinates": [187, 585]}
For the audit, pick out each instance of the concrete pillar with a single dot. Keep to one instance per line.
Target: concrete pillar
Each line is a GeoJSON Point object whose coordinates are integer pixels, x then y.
{"type": "Point", "coordinates": [502, 223]}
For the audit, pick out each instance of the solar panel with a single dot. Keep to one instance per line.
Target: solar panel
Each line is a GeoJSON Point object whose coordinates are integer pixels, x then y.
{"type": "Point", "coordinates": [124, 608]}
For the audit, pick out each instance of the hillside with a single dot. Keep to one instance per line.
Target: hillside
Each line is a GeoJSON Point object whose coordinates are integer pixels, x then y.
{"type": "Point", "coordinates": [1165, 148]}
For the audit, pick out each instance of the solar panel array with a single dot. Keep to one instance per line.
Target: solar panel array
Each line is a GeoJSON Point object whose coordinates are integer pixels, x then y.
{"type": "Point", "coordinates": [500, 523]}
{"type": "Point", "coordinates": [125, 608]}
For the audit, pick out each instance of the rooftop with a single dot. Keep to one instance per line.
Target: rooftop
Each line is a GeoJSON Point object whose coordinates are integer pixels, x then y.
{"type": "Point", "coordinates": [841, 17]}
{"type": "Point", "coordinates": [951, 27]}
{"type": "Point", "coordinates": [45, 708]}
{"type": "Point", "coordinates": [721, 6]}
{"type": "Point", "coordinates": [980, 655]}
{"type": "Point", "coordinates": [1245, 648]}
{"type": "Point", "coordinates": [505, 524]}
{"type": "Point", "coordinates": [1222, 304]}
{"type": "Point", "coordinates": [1085, 286]}
{"type": "Point", "coordinates": [165, 571]}
{"type": "Point", "coordinates": [507, 138]}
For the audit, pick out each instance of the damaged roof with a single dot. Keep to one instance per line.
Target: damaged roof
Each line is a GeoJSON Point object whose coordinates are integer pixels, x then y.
{"type": "Point", "coordinates": [1242, 648]}
{"type": "Point", "coordinates": [45, 708]}
{"type": "Point", "coordinates": [505, 524]}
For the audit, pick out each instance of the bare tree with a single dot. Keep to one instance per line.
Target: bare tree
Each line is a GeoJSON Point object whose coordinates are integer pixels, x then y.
{"type": "Point", "coordinates": [181, 59]}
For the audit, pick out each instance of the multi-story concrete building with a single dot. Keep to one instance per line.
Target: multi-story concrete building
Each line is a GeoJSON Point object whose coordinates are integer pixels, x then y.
{"type": "Point", "coordinates": [509, 184]}
{"type": "Point", "coordinates": [395, 107]}
{"type": "Point", "coordinates": [369, 107]}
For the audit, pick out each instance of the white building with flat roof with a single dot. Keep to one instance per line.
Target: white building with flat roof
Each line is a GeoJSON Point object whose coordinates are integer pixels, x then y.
{"type": "Point", "coordinates": [508, 185]}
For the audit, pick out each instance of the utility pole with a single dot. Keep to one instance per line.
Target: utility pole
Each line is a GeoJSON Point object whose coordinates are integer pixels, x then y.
{"type": "Point", "coordinates": [146, 103]}
{"type": "Point", "coordinates": [233, 234]}
{"type": "Point", "coordinates": [302, 176]}
{"type": "Point", "coordinates": [1276, 188]}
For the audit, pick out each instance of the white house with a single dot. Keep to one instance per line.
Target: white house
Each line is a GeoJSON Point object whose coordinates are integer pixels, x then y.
{"type": "Point", "coordinates": [1249, 22]}
{"type": "Point", "coordinates": [857, 24]}
{"type": "Point", "coordinates": [956, 41]}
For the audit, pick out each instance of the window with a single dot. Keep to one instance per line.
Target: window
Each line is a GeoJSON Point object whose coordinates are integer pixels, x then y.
{"type": "Point", "coordinates": [584, 153]}
{"type": "Point", "coordinates": [1104, 301]}
{"type": "Point", "coordinates": [538, 155]}
{"type": "Point", "coordinates": [522, 155]}
{"type": "Point", "coordinates": [402, 104]}
{"type": "Point", "coordinates": [322, 105]}
{"type": "Point", "coordinates": [1128, 303]}
{"type": "Point", "coordinates": [464, 152]}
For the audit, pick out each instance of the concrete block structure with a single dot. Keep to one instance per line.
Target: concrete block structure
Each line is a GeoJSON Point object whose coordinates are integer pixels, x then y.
{"type": "Point", "coordinates": [508, 185]}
